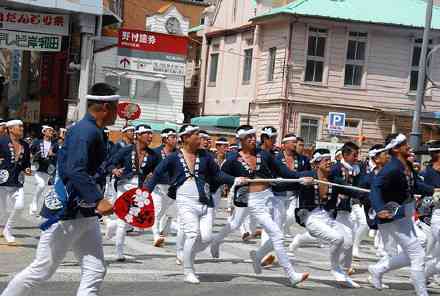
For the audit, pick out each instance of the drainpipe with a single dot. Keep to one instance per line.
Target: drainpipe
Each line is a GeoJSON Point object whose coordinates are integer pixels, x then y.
{"type": "Point", "coordinates": [286, 82]}
{"type": "Point", "coordinates": [207, 44]}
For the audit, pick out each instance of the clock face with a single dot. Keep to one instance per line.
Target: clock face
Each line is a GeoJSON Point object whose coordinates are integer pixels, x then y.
{"type": "Point", "coordinates": [172, 25]}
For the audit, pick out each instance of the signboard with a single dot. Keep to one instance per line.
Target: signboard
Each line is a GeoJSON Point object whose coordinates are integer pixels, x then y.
{"type": "Point", "coordinates": [14, 83]}
{"type": "Point", "coordinates": [34, 22]}
{"type": "Point", "coordinates": [152, 66]}
{"type": "Point", "coordinates": [336, 123]}
{"type": "Point", "coordinates": [31, 111]}
{"type": "Point", "coordinates": [129, 111]}
{"type": "Point", "coordinates": [152, 42]}
{"type": "Point", "coordinates": [85, 6]}
{"type": "Point", "coordinates": [29, 41]}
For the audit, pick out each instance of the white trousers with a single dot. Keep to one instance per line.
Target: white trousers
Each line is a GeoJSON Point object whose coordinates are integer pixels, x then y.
{"type": "Point", "coordinates": [291, 205]}
{"type": "Point", "coordinates": [84, 238]}
{"type": "Point", "coordinates": [433, 265]}
{"type": "Point", "coordinates": [239, 216]}
{"type": "Point", "coordinates": [360, 226]}
{"type": "Point", "coordinates": [346, 228]}
{"type": "Point", "coordinates": [413, 254]}
{"type": "Point", "coordinates": [196, 220]}
{"type": "Point", "coordinates": [41, 183]}
{"type": "Point", "coordinates": [278, 213]}
{"type": "Point", "coordinates": [320, 225]}
{"type": "Point", "coordinates": [11, 205]}
{"type": "Point", "coordinates": [257, 204]}
{"type": "Point", "coordinates": [122, 226]}
{"type": "Point", "coordinates": [162, 203]}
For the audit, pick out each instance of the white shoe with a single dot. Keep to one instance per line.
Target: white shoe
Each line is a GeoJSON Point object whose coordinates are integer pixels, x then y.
{"type": "Point", "coordinates": [375, 279]}
{"type": "Point", "coordinates": [10, 239]}
{"type": "Point", "coordinates": [299, 278]}
{"type": "Point", "coordinates": [343, 279]}
{"type": "Point", "coordinates": [191, 278]}
{"type": "Point", "coordinates": [255, 263]}
{"type": "Point", "coordinates": [111, 228]}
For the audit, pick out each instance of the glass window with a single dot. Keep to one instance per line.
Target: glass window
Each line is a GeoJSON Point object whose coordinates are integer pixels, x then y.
{"type": "Point", "coordinates": [316, 54]}
{"type": "Point", "coordinates": [415, 61]}
{"type": "Point", "coordinates": [355, 63]}
{"type": "Point", "coordinates": [309, 130]}
{"type": "Point", "coordinates": [247, 66]}
{"type": "Point", "coordinates": [213, 67]}
{"type": "Point", "coordinates": [271, 65]}
{"type": "Point", "coordinates": [147, 90]}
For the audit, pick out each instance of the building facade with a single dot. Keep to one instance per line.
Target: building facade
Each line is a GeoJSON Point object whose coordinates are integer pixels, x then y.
{"type": "Point", "coordinates": [290, 69]}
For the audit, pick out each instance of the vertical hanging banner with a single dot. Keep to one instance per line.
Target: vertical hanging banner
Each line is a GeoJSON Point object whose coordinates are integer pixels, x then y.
{"type": "Point", "coordinates": [14, 83]}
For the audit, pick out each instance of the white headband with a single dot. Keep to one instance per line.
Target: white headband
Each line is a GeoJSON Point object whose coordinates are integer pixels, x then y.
{"type": "Point", "coordinates": [339, 152]}
{"type": "Point", "coordinates": [243, 133]}
{"type": "Point", "coordinates": [128, 128]}
{"type": "Point", "coordinates": [268, 132]}
{"type": "Point", "coordinates": [433, 149]}
{"type": "Point", "coordinates": [289, 139]}
{"type": "Point", "coordinates": [166, 135]}
{"type": "Point", "coordinates": [143, 129]}
{"type": "Point", "coordinates": [63, 129]}
{"type": "Point", "coordinates": [318, 157]}
{"type": "Point", "coordinates": [2, 123]}
{"type": "Point", "coordinates": [374, 152]}
{"type": "Point", "coordinates": [204, 135]}
{"type": "Point", "coordinates": [221, 142]}
{"type": "Point", "coordinates": [189, 129]}
{"type": "Point", "coordinates": [396, 142]}
{"type": "Point", "coordinates": [112, 98]}
{"type": "Point", "coordinates": [44, 127]}
{"type": "Point", "coordinates": [14, 122]}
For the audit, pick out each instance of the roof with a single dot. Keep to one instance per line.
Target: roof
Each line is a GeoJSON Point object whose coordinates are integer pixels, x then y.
{"type": "Point", "coordinates": [217, 121]}
{"type": "Point", "coordinates": [196, 29]}
{"type": "Point", "coordinates": [409, 13]}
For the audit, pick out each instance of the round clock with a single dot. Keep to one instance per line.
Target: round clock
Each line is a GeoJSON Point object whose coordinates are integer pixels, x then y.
{"type": "Point", "coordinates": [172, 25]}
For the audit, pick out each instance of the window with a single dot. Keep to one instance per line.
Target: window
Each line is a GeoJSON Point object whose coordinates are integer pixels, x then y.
{"type": "Point", "coordinates": [198, 57]}
{"type": "Point", "coordinates": [247, 66]}
{"type": "Point", "coordinates": [213, 68]}
{"type": "Point", "coordinates": [415, 61]}
{"type": "Point", "coordinates": [316, 55]}
{"type": "Point", "coordinates": [147, 90]}
{"type": "Point", "coordinates": [271, 66]}
{"type": "Point", "coordinates": [352, 123]}
{"type": "Point", "coordinates": [309, 130]}
{"type": "Point", "coordinates": [355, 64]}
{"type": "Point", "coordinates": [202, 20]}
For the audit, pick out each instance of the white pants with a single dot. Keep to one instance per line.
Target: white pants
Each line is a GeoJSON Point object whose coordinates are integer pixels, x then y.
{"type": "Point", "coordinates": [413, 254]}
{"type": "Point", "coordinates": [291, 205]}
{"type": "Point", "coordinates": [240, 214]}
{"type": "Point", "coordinates": [248, 225]}
{"type": "Point", "coordinates": [37, 201]}
{"type": "Point", "coordinates": [320, 225]}
{"type": "Point", "coordinates": [11, 205]}
{"type": "Point", "coordinates": [196, 220]}
{"type": "Point", "coordinates": [360, 226]}
{"type": "Point", "coordinates": [433, 265]}
{"type": "Point", "coordinates": [347, 228]}
{"type": "Point", "coordinates": [162, 202]}
{"type": "Point", "coordinates": [84, 237]}
{"type": "Point", "coordinates": [257, 204]}
{"type": "Point", "coordinates": [122, 226]}
{"type": "Point", "coordinates": [278, 213]}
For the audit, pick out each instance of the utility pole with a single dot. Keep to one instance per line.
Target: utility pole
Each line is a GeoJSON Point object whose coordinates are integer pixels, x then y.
{"type": "Point", "coordinates": [416, 135]}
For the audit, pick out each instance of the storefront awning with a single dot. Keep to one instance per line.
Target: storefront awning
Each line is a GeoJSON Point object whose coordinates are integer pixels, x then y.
{"type": "Point", "coordinates": [217, 121]}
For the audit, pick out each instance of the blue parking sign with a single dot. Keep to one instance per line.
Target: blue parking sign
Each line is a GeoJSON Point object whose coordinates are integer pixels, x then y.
{"type": "Point", "coordinates": [336, 122]}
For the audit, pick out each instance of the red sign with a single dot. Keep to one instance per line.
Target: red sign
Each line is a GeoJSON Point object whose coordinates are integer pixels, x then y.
{"type": "Point", "coordinates": [129, 111]}
{"type": "Point", "coordinates": [151, 41]}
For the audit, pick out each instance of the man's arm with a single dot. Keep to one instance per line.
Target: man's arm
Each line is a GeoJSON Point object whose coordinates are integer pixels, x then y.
{"type": "Point", "coordinates": [165, 167]}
